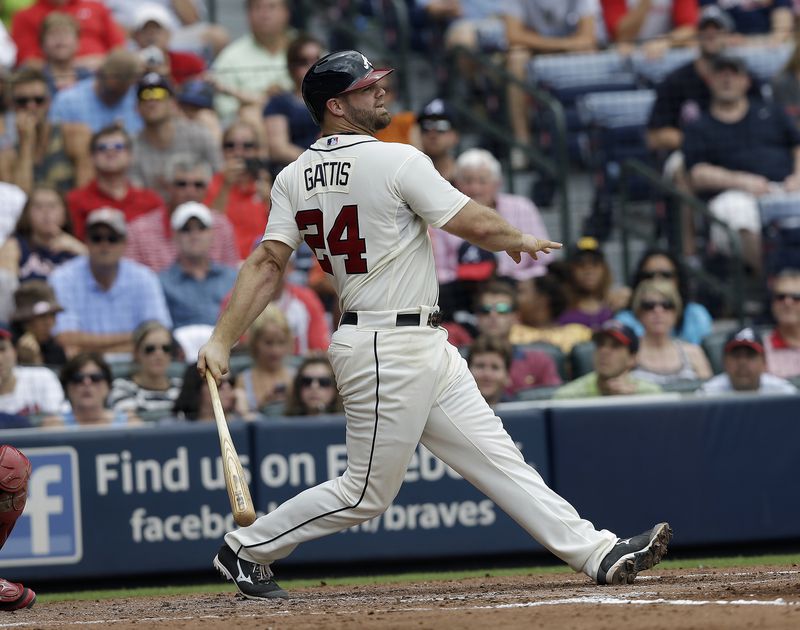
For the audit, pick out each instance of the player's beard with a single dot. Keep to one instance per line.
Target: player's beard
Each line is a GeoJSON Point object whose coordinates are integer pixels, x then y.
{"type": "Point", "coordinates": [370, 119]}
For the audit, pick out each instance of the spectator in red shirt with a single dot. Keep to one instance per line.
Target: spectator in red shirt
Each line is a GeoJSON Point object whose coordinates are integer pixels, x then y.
{"type": "Point", "coordinates": [241, 191]}
{"type": "Point", "coordinates": [151, 27]}
{"type": "Point", "coordinates": [111, 156]}
{"type": "Point", "coordinates": [99, 33]}
{"type": "Point", "coordinates": [657, 24]}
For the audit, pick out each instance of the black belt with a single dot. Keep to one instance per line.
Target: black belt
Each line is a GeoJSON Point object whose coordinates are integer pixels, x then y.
{"type": "Point", "coordinates": [350, 318]}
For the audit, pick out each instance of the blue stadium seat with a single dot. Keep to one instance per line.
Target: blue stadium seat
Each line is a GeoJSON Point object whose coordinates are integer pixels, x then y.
{"type": "Point", "coordinates": [616, 109]}
{"type": "Point", "coordinates": [780, 221]}
{"type": "Point", "coordinates": [581, 359]}
{"type": "Point", "coordinates": [764, 61]}
{"type": "Point", "coordinates": [653, 71]}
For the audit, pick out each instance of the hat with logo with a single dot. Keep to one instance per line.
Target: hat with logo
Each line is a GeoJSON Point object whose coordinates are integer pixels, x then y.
{"type": "Point", "coordinates": [712, 14]}
{"type": "Point", "coordinates": [191, 210]}
{"type": "Point", "coordinates": [153, 86]}
{"type": "Point", "coordinates": [437, 115]}
{"type": "Point", "coordinates": [111, 217]}
{"type": "Point", "coordinates": [745, 338]}
{"type": "Point", "coordinates": [620, 332]}
{"type": "Point", "coordinates": [34, 298]}
{"type": "Point", "coordinates": [586, 247]}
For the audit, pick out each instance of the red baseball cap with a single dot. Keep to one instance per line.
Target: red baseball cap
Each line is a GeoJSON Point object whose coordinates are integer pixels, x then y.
{"type": "Point", "coordinates": [5, 333]}
{"type": "Point", "coordinates": [745, 338]}
{"type": "Point", "coordinates": [620, 332]}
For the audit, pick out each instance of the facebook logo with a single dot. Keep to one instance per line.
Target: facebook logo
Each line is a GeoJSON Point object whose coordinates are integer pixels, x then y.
{"type": "Point", "coordinates": [49, 530]}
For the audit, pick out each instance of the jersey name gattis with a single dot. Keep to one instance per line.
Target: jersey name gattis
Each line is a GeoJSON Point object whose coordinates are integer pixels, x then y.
{"type": "Point", "coordinates": [328, 176]}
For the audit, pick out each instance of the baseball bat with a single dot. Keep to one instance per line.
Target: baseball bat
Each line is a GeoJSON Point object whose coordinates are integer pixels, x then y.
{"type": "Point", "coordinates": [239, 494]}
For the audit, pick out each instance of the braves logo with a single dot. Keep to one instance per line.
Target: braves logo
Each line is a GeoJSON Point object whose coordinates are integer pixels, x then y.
{"type": "Point", "coordinates": [365, 61]}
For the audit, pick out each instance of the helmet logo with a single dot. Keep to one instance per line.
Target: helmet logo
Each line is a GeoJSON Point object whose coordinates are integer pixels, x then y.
{"type": "Point", "coordinates": [367, 64]}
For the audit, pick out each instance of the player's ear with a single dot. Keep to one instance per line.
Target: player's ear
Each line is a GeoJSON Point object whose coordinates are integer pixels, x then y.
{"type": "Point", "coordinates": [334, 106]}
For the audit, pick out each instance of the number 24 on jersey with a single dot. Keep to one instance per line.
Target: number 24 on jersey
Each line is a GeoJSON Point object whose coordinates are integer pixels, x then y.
{"type": "Point", "coordinates": [343, 239]}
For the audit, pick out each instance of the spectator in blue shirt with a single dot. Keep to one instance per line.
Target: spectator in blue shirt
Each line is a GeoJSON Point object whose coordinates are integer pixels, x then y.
{"type": "Point", "coordinates": [107, 98]}
{"type": "Point", "coordinates": [195, 285]}
{"type": "Point", "coordinates": [105, 296]}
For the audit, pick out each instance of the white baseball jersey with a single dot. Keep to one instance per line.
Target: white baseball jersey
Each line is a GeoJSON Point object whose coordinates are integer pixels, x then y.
{"type": "Point", "coordinates": [364, 206]}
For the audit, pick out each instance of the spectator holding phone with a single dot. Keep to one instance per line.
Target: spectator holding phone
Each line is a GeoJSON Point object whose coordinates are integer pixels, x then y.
{"type": "Point", "coordinates": [241, 189]}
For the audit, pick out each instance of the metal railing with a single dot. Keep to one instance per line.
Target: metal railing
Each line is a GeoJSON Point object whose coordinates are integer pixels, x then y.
{"type": "Point", "coordinates": [555, 166]}
{"type": "Point", "coordinates": [733, 292]}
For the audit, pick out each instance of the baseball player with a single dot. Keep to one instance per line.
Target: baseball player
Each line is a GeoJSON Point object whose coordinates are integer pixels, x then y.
{"type": "Point", "coordinates": [15, 470]}
{"type": "Point", "coordinates": [364, 207]}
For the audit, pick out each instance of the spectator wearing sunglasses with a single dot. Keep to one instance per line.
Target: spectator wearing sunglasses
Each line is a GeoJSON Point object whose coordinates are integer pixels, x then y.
{"type": "Point", "coordinates": [496, 315]}
{"type": "Point", "coordinates": [150, 392]}
{"type": "Point", "coordinates": [165, 133]}
{"type": "Point", "coordinates": [86, 379]}
{"type": "Point", "coordinates": [242, 188]}
{"type": "Point", "coordinates": [662, 359]}
{"type": "Point", "coordinates": [105, 296]}
{"type": "Point", "coordinates": [151, 237]}
{"type": "Point", "coordinates": [314, 390]}
{"type": "Point", "coordinates": [694, 321]}
{"type": "Point", "coordinates": [45, 152]}
{"type": "Point", "coordinates": [110, 150]}
{"type": "Point", "coordinates": [782, 343]}
{"type": "Point", "coordinates": [195, 285]}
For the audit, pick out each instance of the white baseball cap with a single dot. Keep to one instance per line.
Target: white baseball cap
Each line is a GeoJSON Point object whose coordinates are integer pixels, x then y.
{"type": "Point", "coordinates": [191, 210]}
{"type": "Point", "coordinates": [152, 12]}
{"type": "Point", "coordinates": [113, 218]}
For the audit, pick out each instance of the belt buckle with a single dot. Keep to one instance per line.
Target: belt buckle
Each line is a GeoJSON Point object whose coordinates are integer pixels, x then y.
{"type": "Point", "coordinates": [434, 319]}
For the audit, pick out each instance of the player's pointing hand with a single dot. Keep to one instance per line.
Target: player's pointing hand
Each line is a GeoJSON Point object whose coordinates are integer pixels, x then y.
{"type": "Point", "coordinates": [532, 245]}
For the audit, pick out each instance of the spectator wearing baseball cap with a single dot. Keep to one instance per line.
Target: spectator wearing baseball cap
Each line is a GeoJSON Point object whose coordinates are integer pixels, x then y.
{"type": "Point", "coordinates": [439, 136]}
{"type": "Point", "coordinates": [745, 368]}
{"type": "Point", "coordinates": [774, 19]}
{"type": "Point", "coordinates": [25, 391]}
{"type": "Point", "coordinates": [195, 285]}
{"type": "Point", "coordinates": [165, 134]}
{"type": "Point", "coordinates": [152, 30]}
{"type": "Point", "coordinates": [588, 285]}
{"type": "Point", "coordinates": [105, 296]}
{"type": "Point", "coordinates": [616, 346]}
{"type": "Point", "coordinates": [34, 319]}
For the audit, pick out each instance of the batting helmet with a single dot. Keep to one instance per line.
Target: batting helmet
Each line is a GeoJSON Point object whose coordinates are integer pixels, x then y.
{"type": "Point", "coordinates": [334, 74]}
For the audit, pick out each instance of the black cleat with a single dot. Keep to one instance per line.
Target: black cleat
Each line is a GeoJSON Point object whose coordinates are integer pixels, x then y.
{"type": "Point", "coordinates": [631, 555]}
{"type": "Point", "coordinates": [254, 581]}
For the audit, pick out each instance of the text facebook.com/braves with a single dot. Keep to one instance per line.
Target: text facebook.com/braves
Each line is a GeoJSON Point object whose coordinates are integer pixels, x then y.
{"type": "Point", "coordinates": [50, 531]}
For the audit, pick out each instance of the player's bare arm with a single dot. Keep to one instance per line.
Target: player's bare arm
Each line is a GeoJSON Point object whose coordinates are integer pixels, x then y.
{"type": "Point", "coordinates": [254, 288]}
{"type": "Point", "coordinates": [485, 228]}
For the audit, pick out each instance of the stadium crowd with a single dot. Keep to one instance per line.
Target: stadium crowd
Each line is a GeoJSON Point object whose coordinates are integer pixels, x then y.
{"type": "Point", "coordinates": [138, 145]}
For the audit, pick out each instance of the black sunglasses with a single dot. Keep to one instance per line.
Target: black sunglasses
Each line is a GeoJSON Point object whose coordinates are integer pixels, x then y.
{"type": "Point", "coordinates": [150, 348]}
{"type": "Point", "coordinates": [651, 305]}
{"type": "Point", "coordinates": [80, 377]}
{"type": "Point", "coordinates": [22, 101]}
{"type": "Point", "coordinates": [199, 184]}
{"type": "Point", "coordinates": [104, 238]}
{"type": "Point", "coordinates": [102, 147]}
{"type": "Point", "coordinates": [780, 297]}
{"type": "Point", "coordinates": [322, 381]}
{"type": "Point", "coordinates": [659, 273]}
{"type": "Point", "coordinates": [238, 145]}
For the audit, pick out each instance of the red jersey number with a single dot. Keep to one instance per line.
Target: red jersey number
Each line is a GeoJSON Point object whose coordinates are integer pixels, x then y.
{"type": "Point", "coordinates": [344, 239]}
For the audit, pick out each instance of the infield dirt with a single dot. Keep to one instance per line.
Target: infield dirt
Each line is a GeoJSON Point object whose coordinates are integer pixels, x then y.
{"type": "Point", "coordinates": [767, 598]}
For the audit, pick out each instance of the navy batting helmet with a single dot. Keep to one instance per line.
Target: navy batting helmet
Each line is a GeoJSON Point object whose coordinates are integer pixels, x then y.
{"type": "Point", "coordinates": [334, 74]}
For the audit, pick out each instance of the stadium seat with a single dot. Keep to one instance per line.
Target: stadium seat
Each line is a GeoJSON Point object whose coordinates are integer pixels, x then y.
{"type": "Point", "coordinates": [652, 71]}
{"type": "Point", "coordinates": [535, 393]}
{"type": "Point", "coordinates": [686, 386]}
{"type": "Point", "coordinates": [558, 356]}
{"type": "Point", "coordinates": [712, 345]}
{"type": "Point", "coordinates": [764, 62]}
{"type": "Point", "coordinates": [581, 359]}
{"type": "Point", "coordinates": [780, 221]}
{"type": "Point", "coordinates": [240, 362]}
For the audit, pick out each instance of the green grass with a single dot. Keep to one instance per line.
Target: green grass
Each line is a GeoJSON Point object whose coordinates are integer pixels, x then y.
{"type": "Point", "coordinates": [217, 587]}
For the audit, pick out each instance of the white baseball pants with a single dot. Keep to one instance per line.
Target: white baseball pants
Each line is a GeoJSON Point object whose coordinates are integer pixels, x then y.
{"type": "Point", "coordinates": [402, 386]}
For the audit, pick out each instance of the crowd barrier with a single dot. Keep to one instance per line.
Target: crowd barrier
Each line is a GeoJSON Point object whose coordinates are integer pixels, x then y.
{"type": "Point", "coordinates": [118, 502]}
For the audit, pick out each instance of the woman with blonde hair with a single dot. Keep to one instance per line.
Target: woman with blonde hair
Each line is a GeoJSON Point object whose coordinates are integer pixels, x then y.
{"type": "Point", "coordinates": [269, 379]}
{"type": "Point", "coordinates": [663, 359]}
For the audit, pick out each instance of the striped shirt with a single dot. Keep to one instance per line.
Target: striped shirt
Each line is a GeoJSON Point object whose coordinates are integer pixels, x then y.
{"type": "Point", "coordinates": [135, 297]}
{"type": "Point", "coordinates": [150, 241]}
{"type": "Point", "coordinates": [126, 395]}
{"type": "Point", "coordinates": [782, 359]}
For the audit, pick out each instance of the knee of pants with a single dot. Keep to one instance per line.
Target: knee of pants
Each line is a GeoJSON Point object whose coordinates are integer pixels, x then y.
{"type": "Point", "coordinates": [737, 209]}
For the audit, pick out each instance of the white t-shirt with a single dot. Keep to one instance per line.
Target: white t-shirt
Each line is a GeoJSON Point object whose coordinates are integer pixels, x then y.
{"type": "Point", "coordinates": [38, 391]}
{"type": "Point", "coordinates": [770, 384]}
{"type": "Point", "coordinates": [364, 206]}
{"type": "Point", "coordinates": [552, 18]}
